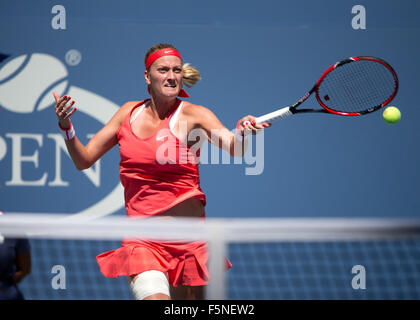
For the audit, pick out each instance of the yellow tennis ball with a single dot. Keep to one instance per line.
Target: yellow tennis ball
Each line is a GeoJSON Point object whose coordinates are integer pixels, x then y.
{"type": "Point", "coordinates": [392, 115]}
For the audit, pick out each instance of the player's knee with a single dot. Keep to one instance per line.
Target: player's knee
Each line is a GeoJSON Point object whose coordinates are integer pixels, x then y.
{"type": "Point", "coordinates": [150, 283]}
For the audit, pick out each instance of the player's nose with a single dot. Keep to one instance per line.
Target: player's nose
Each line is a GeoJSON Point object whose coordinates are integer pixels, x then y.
{"type": "Point", "coordinates": [170, 75]}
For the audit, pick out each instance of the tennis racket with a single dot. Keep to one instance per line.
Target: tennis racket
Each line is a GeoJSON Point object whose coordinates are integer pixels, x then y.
{"type": "Point", "coordinates": [352, 87]}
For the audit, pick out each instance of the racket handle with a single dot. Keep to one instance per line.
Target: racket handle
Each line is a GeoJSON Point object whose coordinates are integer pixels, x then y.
{"type": "Point", "coordinates": [274, 116]}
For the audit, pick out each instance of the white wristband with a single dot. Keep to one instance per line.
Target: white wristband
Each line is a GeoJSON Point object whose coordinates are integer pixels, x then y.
{"type": "Point", "coordinates": [68, 133]}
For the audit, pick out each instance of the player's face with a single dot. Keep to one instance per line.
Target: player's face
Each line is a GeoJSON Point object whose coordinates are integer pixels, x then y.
{"type": "Point", "coordinates": [165, 76]}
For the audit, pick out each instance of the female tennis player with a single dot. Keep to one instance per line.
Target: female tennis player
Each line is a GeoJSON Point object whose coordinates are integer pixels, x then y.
{"type": "Point", "coordinates": [154, 186]}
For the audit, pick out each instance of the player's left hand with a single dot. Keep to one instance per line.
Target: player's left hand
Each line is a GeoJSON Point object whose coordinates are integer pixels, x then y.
{"type": "Point", "coordinates": [248, 125]}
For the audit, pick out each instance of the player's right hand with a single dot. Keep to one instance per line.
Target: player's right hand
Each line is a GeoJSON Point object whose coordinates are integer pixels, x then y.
{"type": "Point", "coordinates": [62, 111]}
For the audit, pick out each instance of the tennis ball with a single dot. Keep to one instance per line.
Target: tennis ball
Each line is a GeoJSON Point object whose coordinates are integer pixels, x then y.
{"type": "Point", "coordinates": [392, 115]}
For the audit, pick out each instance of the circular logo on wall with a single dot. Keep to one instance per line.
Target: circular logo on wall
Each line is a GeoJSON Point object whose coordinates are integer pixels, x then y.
{"type": "Point", "coordinates": [37, 174]}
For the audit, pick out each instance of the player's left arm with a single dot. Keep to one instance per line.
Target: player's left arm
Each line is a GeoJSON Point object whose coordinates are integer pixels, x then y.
{"type": "Point", "coordinates": [218, 135]}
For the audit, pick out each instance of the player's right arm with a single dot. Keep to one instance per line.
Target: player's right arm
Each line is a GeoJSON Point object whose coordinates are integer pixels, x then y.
{"type": "Point", "coordinates": [85, 156]}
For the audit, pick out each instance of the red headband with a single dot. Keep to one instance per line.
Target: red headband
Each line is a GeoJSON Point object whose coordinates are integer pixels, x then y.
{"type": "Point", "coordinates": [160, 53]}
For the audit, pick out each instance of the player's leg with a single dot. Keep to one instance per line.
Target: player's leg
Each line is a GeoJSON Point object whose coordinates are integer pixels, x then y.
{"type": "Point", "coordinates": [187, 292]}
{"type": "Point", "coordinates": [150, 285]}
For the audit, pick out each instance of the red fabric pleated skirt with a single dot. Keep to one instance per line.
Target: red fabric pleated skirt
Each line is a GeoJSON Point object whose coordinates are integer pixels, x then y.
{"type": "Point", "coordinates": [185, 262]}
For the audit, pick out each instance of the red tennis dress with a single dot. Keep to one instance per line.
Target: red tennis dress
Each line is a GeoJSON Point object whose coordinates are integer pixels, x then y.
{"type": "Point", "coordinates": [157, 173]}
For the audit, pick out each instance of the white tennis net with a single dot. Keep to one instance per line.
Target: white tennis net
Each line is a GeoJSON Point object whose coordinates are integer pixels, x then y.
{"type": "Point", "coordinates": [317, 258]}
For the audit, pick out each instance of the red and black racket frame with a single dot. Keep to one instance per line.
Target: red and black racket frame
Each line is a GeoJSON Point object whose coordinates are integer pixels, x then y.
{"type": "Point", "coordinates": [341, 113]}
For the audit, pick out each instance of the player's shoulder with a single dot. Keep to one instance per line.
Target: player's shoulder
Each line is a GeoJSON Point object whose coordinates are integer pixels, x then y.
{"type": "Point", "coordinates": [123, 111]}
{"type": "Point", "coordinates": [191, 109]}
{"type": "Point", "coordinates": [128, 106]}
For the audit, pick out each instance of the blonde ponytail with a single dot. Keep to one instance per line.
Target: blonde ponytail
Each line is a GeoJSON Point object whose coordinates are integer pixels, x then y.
{"type": "Point", "coordinates": [190, 75]}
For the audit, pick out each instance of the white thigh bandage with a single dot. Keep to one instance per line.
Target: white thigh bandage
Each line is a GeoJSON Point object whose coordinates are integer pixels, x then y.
{"type": "Point", "coordinates": [148, 283]}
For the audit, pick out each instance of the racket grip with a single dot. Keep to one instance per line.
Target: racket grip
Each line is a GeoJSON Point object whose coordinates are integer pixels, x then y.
{"type": "Point", "coordinates": [274, 116]}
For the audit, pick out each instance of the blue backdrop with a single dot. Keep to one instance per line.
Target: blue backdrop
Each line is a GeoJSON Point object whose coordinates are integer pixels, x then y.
{"type": "Point", "coordinates": [254, 56]}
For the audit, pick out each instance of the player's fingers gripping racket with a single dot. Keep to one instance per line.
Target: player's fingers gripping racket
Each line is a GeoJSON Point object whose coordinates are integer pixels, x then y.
{"type": "Point", "coordinates": [351, 87]}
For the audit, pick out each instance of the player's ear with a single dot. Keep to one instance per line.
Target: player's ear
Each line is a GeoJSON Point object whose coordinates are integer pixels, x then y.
{"type": "Point", "coordinates": [147, 77]}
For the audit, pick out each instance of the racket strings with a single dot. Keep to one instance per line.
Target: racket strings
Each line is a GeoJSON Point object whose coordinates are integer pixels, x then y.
{"type": "Point", "coordinates": [357, 86]}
